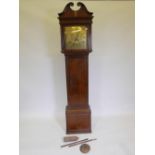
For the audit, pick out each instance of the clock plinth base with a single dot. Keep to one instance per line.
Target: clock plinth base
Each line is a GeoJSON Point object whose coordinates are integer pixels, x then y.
{"type": "Point", "coordinates": [78, 120]}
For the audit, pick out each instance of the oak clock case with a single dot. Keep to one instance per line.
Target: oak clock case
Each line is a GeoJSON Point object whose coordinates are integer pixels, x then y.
{"type": "Point", "coordinates": [75, 27]}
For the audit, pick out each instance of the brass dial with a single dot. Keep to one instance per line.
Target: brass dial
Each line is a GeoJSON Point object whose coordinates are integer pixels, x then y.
{"type": "Point", "coordinates": [76, 37]}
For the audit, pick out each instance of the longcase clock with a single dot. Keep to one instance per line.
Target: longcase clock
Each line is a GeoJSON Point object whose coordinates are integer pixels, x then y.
{"type": "Point", "coordinates": [76, 45]}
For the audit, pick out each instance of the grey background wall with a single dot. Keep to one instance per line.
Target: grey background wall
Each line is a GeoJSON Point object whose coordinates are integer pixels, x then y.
{"type": "Point", "coordinates": [42, 66]}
